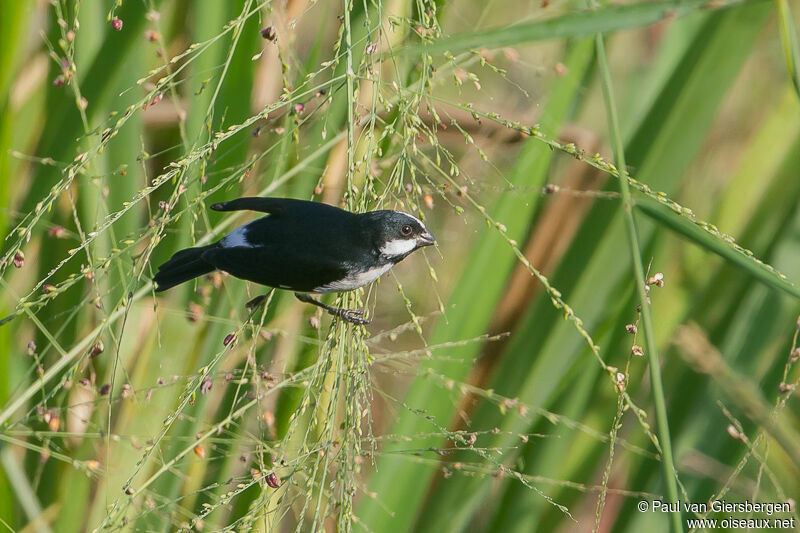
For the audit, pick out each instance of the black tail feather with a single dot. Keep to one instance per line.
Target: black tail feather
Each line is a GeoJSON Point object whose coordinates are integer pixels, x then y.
{"type": "Point", "coordinates": [183, 266]}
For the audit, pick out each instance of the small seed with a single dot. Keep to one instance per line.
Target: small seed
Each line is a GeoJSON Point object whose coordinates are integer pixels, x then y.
{"type": "Point", "coordinates": [57, 231]}
{"type": "Point", "coordinates": [116, 24]}
{"type": "Point", "coordinates": [205, 386]}
{"type": "Point", "coordinates": [195, 312]}
{"type": "Point", "coordinates": [734, 433]}
{"type": "Point", "coordinates": [269, 33]}
{"type": "Point", "coordinates": [656, 279]}
{"type": "Point", "coordinates": [96, 350]}
{"type": "Point", "coordinates": [273, 481]}
{"type": "Point", "coordinates": [637, 350]}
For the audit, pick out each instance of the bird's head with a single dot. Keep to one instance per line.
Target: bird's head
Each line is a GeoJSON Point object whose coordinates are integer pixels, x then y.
{"type": "Point", "coordinates": [397, 234]}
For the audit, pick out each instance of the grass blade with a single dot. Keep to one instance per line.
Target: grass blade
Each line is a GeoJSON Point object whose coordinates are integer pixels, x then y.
{"type": "Point", "coordinates": [745, 261]}
{"type": "Point", "coordinates": [791, 49]}
{"type": "Point", "coordinates": [579, 24]}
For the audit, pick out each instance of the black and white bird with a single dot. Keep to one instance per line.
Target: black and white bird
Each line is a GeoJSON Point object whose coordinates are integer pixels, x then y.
{"type": "Point", "coordinates": [302, 246]}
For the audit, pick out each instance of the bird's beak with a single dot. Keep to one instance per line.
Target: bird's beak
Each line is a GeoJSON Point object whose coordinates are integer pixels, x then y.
{"type": "Point", "coordinates": [426, 239]}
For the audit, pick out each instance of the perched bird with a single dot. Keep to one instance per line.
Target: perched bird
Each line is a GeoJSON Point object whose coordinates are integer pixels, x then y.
{"type": "Point", "coordinates": [306, 247]}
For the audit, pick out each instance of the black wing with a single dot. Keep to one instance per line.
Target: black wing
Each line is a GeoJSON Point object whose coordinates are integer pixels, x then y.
{"type": "Point", "coordinates": [273, 206]}
{"type": "Point", "coordinates": [277, 266]}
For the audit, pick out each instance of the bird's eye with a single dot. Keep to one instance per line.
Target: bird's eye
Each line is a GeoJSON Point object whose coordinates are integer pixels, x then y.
{"type": "Point", "coordinates": [406, 230]}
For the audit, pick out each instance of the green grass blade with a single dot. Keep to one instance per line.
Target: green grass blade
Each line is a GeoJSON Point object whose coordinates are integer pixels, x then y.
{"type": "Point", "coordinates": [577, 24]}
{"type": "Point", "coordinates": [789, 44]}
{"type": "Point", "coordinates": [702, 238]}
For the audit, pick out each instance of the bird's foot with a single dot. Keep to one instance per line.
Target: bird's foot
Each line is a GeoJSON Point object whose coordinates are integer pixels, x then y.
{"type": "Point", "coordinates": [255, 302]}
{"type": "Point", "coordinates": [354, 316]}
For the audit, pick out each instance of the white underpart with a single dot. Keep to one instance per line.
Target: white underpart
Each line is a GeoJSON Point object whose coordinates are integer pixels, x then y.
{"type": "Point", "coordinates": [354, 281]}
{"type": "Point", "coordinates": [237, 237]}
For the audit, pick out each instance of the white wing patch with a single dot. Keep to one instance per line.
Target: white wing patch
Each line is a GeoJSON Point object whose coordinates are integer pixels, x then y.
{"type": "Point", "coordinates": [354, 281]}
{"type": "Point", "coordinates": [237, 238]}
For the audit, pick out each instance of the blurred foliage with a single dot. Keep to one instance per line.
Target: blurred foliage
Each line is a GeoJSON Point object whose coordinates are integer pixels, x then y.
{"type": "Point", "coordinates": [505, 383]}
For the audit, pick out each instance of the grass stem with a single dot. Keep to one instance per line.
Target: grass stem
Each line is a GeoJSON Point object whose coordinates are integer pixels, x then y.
{"type": "Point", "coordinates": [639, 274]}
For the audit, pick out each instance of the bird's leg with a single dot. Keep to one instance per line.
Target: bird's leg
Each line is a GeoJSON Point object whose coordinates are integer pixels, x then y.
{"type": "Point", "coordinates": [350, 315]}
{"type": "Point", "coordinates": [255, 302]}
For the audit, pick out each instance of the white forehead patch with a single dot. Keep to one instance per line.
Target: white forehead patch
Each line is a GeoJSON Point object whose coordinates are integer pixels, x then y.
{"type": "Point", "coordinates": [237, 237]}
{"type": "Point", "coordinates": [412, 217]}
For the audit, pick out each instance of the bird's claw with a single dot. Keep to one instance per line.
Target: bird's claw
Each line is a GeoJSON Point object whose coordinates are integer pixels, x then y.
{"type": "Point", "coordinates": [354, 316]}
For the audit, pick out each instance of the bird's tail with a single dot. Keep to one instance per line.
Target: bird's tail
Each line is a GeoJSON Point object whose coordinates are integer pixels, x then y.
{"type": "Point", "coordinates": [183, 266]}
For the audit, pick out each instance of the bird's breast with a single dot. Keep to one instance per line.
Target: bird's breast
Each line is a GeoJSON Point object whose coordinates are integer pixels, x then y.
{"type": "Point", "coordinates": [355, 280]}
